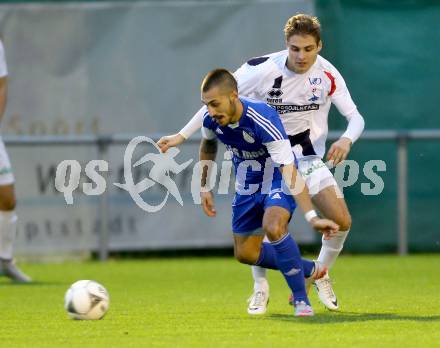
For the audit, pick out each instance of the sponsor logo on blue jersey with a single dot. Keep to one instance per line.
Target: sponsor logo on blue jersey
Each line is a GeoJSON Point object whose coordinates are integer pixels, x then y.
{"type": "Point", "coordinates": [247, 155]}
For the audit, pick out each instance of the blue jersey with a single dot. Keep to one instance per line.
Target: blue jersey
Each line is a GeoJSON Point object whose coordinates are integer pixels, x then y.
{"type": "Point", "coordinates": [256, 141]}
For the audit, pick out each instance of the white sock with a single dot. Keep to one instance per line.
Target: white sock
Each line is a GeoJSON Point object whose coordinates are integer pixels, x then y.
{"type": "Point", "coordinates": [331, 248]}
{"type": "Point", "coordinates": [8, 229]}
{"type": "Point", "coordinates": [260, 281]}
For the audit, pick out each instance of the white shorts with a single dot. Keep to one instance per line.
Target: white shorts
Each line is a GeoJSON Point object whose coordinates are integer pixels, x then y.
{"type": "Point", "coordinates": [316, 174]}
{"type": "Point", "coordinates": [6, 176]}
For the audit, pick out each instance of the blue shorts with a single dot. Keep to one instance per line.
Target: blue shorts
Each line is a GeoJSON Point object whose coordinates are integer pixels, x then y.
{"type": "Point", "coordinates": [248, 210]}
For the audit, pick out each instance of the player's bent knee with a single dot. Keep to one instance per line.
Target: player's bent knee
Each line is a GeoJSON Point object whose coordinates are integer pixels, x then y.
{"type": "Point", "coordinates": [274, 230]}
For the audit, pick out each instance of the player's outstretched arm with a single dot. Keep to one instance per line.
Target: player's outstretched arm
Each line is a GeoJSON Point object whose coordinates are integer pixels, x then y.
{"type": "Point", "coordinates": [299, 190]}
{"type": "Point", "coordinates": [190, 128]}
{"type": "Point", "coordinates": [169, 141]}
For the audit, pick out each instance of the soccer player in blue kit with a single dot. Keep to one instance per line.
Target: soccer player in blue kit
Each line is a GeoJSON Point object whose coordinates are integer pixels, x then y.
{"type": "Point", "coordinates": [264, 162]}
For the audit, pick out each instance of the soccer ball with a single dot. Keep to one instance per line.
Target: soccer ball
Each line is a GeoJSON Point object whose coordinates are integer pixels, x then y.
{"type": "Point", "coordinates": [86, 300]}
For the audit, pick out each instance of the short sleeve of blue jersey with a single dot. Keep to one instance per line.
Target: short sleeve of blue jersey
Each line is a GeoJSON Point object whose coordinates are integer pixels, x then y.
{"type": "Point", "coordinates": [268, 124]}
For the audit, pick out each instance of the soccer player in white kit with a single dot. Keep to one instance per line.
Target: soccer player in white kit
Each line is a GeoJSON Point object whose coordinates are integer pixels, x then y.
{"type": "Point", "coordinates": [8, 217]}
{"type": "Point", "coordinates": [301, 86]}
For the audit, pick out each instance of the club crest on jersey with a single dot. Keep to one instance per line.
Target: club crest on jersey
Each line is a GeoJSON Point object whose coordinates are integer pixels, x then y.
{"type": "Point", "coordinates": [248, 138]}
{"type": "Point", "coordinates": [315, 80]}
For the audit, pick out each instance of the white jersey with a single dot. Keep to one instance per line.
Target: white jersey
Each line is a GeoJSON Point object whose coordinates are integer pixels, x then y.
{"type": "Point", "coordinates": [302, 100]}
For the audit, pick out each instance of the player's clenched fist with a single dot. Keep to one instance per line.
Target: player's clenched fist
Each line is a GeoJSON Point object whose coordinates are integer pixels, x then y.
{"type": "Point", "coordinates": [170, 141]}
{"type": "Point", "coordinates": [208, 203]}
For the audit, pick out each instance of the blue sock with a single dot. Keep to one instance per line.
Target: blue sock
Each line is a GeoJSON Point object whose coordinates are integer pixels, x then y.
{"type": "Point", "coordinates": [268, 259]}
{"type": "Point", "coordinates": [290, 265]}
{"type": "Point", "coordinates": [308, 267]}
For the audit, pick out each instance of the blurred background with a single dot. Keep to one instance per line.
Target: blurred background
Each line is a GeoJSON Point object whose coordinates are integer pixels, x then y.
{"type": "Point", "coordinates": [85, 77]}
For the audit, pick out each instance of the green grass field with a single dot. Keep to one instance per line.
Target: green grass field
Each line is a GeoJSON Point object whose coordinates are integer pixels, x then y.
{"type": "Point", "coordinates": [386, 301]}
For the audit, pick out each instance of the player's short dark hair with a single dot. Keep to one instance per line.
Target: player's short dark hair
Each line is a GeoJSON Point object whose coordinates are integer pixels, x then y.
{"type": "Point", "coordinates": [218, 77]}
{"type": "Point", "coordinates": [302, 24]}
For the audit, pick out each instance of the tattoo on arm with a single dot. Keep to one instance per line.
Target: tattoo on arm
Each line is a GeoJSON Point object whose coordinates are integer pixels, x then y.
{"type": "Point", "coordinates": [209, 146]}
{"type": "Point", "coordinates": [208, 151]}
